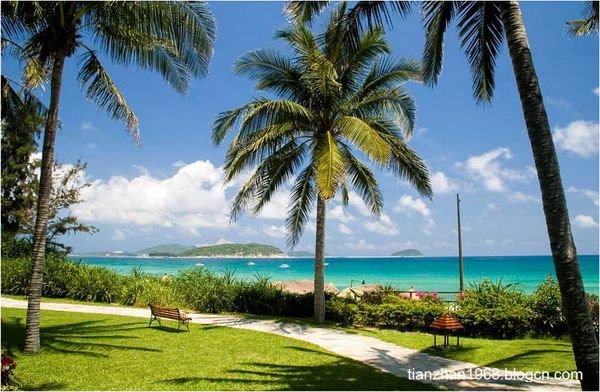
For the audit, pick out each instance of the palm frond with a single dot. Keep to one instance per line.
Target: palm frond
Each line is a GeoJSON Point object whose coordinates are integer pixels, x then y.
{"type": "Point", "coordinates": [482, 33]}
{"type": "Point", "coordinates": [273, 71]}
{"type": "Point", "coordinates": [100, 89]}
{"type": "Point", "coordinates": [303, 196]}
{"type": "Point", "coordinates": [363, 180]}
{"type": "Point", "coordinates": [437, 16]}
{"type": "Point", "coordinates": [329, 165]}
{"type": "Point", "coordinates": [304, 11]}
{"type": "Point", "coordinates": [589, 24]}
{"type": "Point", "coordinates": [174, 38]}
{"type": "Point", "coordinates": [365, 138]}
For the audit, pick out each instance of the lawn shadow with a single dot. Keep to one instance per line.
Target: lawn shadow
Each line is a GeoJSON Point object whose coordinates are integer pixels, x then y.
{"type": "Point", "coordinates": [73, 338]}
{"type": "Point", "coordinates": [528, 358]}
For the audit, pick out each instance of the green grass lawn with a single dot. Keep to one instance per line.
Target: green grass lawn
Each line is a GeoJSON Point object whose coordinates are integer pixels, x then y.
{"type": "Point", "coordinates": [101, 352]}
{"type": "Point", "coordinates": [522, 354]}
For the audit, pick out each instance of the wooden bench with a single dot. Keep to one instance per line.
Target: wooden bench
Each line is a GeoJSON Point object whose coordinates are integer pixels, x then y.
{"type": "Point", "coordinates": [158, 312]}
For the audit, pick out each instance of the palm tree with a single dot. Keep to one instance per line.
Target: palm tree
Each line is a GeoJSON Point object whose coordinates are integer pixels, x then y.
{"type": "Point", "coordinates": [332, 102]}
{"type": "Point", "coordinates": [482, 26]}
{"type": "Point", "coordinates": [589, 24]}
{"type": "Point", "coordinates": [173, 38]}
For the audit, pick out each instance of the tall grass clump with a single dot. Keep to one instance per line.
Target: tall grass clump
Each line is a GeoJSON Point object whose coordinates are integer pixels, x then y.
{"type": "Point", "coordinates": [140, 289]}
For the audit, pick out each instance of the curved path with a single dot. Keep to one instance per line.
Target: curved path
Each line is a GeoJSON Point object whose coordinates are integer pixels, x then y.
{"type": "Point", "coordinates": [385, 356]}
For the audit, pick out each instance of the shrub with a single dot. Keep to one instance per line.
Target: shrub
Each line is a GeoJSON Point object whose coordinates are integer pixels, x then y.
{"type": "Point", "coordinates": [342, 311]}
{"type": "Point", "coordinates": [405, 315]}
{"type": "Point", "coordinates": [8, 367]}
{"type": "Point", "coordinates": [594, 310]}
{"type": "Point", "coordinates": [495, 310]}
{"type": "Point", "coordinates": [15, 275]}
{"type": "Point", "coordinates": [140, 289]}
{"type": "Point", "coordinates": [546, 305]}
{"type": "Point", "coordinates": [90, 283]}
{"type": "Point", "coordinates": [207, 292]}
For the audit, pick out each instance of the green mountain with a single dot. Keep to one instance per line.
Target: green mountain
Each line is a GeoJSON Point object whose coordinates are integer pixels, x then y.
{"type": "Point", "coordinates": [165, 250]}
{"type": "Point", "coordinates": [407, 252]}
{"type": "Point", "coordinates": [234, 250]}
{"type": "Point", "coordinates": [301, 253]}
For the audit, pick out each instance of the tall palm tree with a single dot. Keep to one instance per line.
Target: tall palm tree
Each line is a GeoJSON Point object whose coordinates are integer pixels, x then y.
{"type": "Point", "coordinates": [332, 102]}
{"type": "Point", "coordinates": [589, 24]}
{"type": "Point", "coordinates": [173, 38]}
{"type": "Point", "coordinates": [482, 27]}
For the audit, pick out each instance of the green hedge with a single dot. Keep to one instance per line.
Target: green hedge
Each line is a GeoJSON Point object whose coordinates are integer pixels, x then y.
{"type": "Point", "coordinates": [486, 309]}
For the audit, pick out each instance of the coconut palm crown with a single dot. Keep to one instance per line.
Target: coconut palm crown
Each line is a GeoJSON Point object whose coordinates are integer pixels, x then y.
{"type": "Point", "coordinates": [334, 105]}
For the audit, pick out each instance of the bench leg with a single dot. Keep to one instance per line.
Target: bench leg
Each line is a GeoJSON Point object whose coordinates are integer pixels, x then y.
{"type": "Point", "coordinates": [153, 318]}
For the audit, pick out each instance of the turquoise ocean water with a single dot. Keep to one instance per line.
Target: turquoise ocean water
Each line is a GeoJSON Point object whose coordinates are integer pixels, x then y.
{"type": "Point", "coordinates": [424, 273]}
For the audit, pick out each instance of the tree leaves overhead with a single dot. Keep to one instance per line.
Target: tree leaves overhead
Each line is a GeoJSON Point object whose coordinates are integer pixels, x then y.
{"type": "Point", "coordinates": [437, 16]}
{"type": "Point", "coordinates": [173, 38]}
{"type": "Point", "coordinates": [589, 24]}
{"type": "Point", "coordinates": [482, 32]}
{"type": "Point", "coordinates": [100, 89]}
{"type": "Point", "coordinates": [333, 100]}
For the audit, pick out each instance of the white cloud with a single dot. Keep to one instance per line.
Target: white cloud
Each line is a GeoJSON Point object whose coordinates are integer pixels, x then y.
{"type": "Point", "coordinates": [338, 213]}
{"type": "Point", "coordinates": [275, 231]}
{"type": "Point", "coordinates": [360, 245]}
{"type": "Point", "coordinates": [179, 163]}
{"type": "Point", "coordinates": [408, 204]}
{"type": "Point", "coordinates": [88, 126]}
{"type": "Point", "coordinates": [118, 235]}
{"type": "Point", "coordinates": [488, 168]}
{"type": "Point", "coordinates": [590, 194]}
{"type": "Point", "coordinates": [442, 184]}
{"type": "Point", "coordinates": [383, 226]}
{"type": "Point", "coordinates": [222, 241]}
{"type": "Point", "coordinates": [277, 207]}
{"type": "Point", "coordinates": [596, 91]}
{"type": "Point", "coordinates": [191, 199]}
{"type": "Point", "coordinates": [585, 222]}
{"type": "Point", "coordinates": [579, 137]}
{"type": "Point", "coordinates": [342, 228]}
{"type": "Point", "coordinates": [355, 201]}
{"type": "Point", "coordinates": [141, 170]}
{"type": "Point", "coordinates": [492, 206]}
{"type": "Point", "coordinates": [523, 197]}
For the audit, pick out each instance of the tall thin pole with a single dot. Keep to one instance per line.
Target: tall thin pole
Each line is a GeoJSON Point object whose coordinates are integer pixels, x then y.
{"type": "Point", "coordinates": [460, 256]}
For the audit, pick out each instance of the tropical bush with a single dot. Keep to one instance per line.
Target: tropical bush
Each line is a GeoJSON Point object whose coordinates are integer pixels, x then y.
{"type": "Point", "coordinates": [8, 379]}
{"type": "Point", "coordinates": [494, 309]}
{"type": "Point", "coordinates": [486, 309]}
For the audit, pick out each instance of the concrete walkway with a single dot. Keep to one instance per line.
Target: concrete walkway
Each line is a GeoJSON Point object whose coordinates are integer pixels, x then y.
{"type": "Point", "coordinates": [388, 357]}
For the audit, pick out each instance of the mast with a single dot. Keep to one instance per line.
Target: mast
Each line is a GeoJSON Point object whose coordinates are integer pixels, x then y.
{"type": "Point", "coordinates": [460, 255]}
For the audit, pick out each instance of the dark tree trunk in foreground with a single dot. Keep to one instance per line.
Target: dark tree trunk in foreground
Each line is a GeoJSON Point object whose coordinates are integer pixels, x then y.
{"type": "Point", "coordinates": [32, 330]}
{"type": "Point", "coordinates": [574, 303]}
{"type": "Point", "coordinates": [319, 289]}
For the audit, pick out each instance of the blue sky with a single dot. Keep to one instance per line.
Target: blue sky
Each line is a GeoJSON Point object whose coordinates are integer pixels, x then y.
{"type": "Point", "coordinates": [169, 189]}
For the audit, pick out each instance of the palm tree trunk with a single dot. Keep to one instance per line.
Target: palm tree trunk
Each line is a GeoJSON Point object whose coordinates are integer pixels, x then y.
{"type": "Point", "coordinates": [574, 303]}
{"type": "Point", "coordinates": [319, 289]}
{"type": "Point", "coordinates": [32, 329]}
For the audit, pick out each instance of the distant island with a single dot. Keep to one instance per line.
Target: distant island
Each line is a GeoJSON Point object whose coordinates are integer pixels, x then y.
{"type": "Point", "coordinates": [165, 250]}
{"type": "Point", "coordinates": [407, 253]}
{"type": "Point", "coordinates": [301, 253]}
{"type": "Point", "coordinates": [234, 250]}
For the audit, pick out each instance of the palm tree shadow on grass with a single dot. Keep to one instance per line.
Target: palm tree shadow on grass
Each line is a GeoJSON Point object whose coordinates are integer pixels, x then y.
{"type": "Point", "coordinates": [85, 338]}
{"type": "Point", "coordinates": [340, 374]}
{"type": "Point", "coordinates": [531, 358]}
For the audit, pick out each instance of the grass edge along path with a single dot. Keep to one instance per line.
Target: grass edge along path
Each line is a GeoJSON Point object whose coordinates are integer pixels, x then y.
{"type": "Point", "coordinates": [385, 356]}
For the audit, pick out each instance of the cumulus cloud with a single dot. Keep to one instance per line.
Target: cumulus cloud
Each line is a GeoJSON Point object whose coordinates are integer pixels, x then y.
{"type": "Point", "coordinates": [523, 197]}
{"type": "Point", "coordinates": [342, 228]}
{"type": "Point", "coordinates": [338, 213]}
{"type": "Point", "coordinates": [192, 199]}
{"type": "Point", "coordinates": [585, 222]}
{"type": "Point", "coordinates": [489, 169]}
{"type": "Point", "coordinates": [118, 235]}
{"type": "Point", "coordinates": [579, 137]}
{"type": "Point", "coordinates": [590, 194]}
{"type": "Point", "coordinates": [408, 204]}
{"type": "Point", "coordinates": [356, 202]}
{"type": "Point", "coordinates": [275, 231]}
{"type": "Point", "coordinates": [360, 245]}
{"type": "Point", "coordinates": [596, 91]}
{"type": "Point", "coordinates": [383, 226]}
{"type": "Point", "coordinates": [442, 184]}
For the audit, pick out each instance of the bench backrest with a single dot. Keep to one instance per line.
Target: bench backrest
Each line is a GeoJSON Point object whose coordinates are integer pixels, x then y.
{"type": "Point", "coordinates": [163, 311]}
